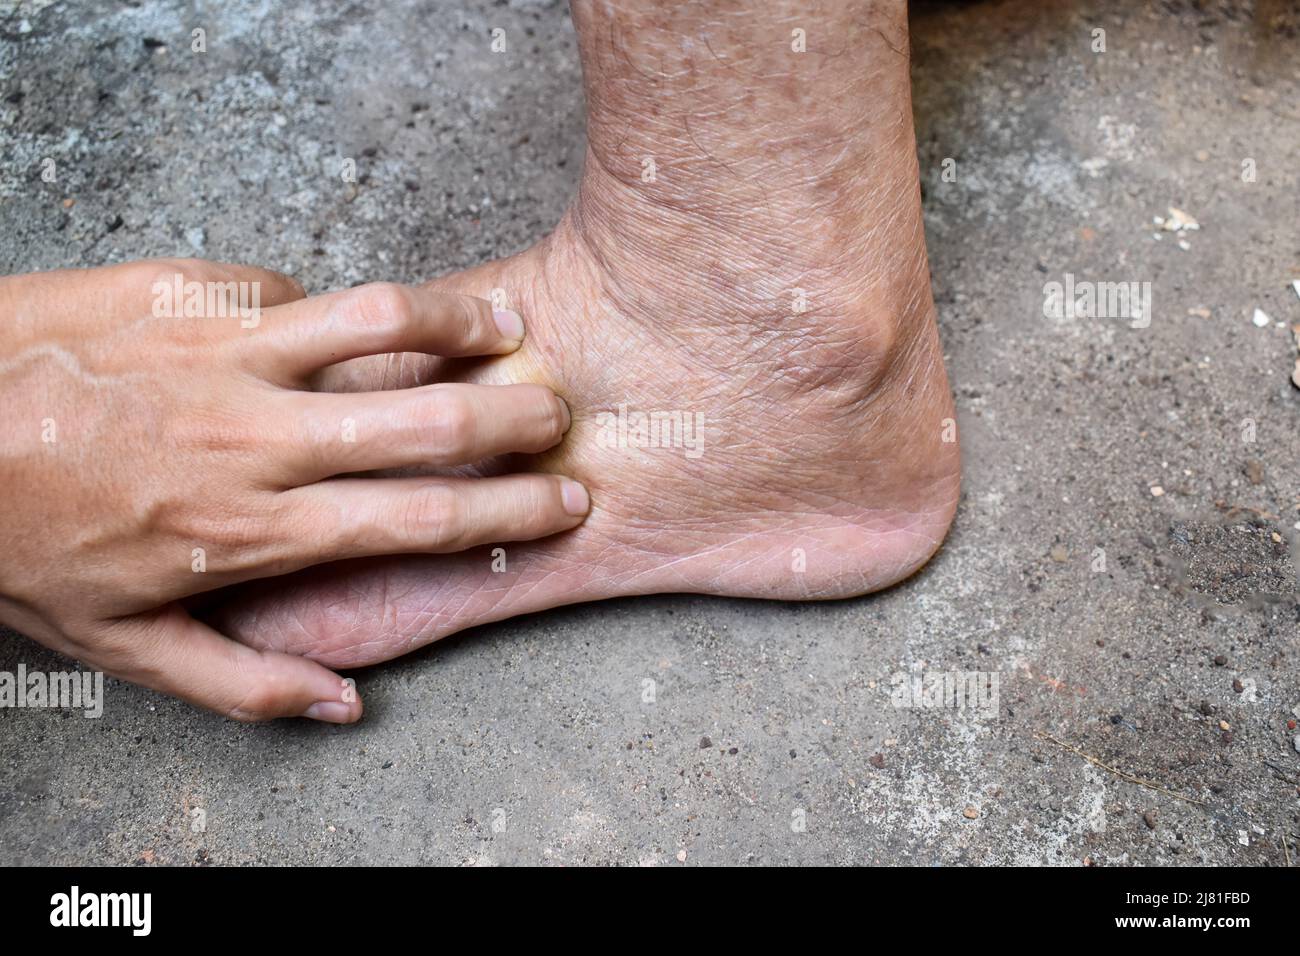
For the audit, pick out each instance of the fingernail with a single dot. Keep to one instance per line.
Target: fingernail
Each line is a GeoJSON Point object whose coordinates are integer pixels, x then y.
{"type": "Point", "coordinates": [568, 416]}
{"type": "Point", "coordinates": [330, 711]}
{"type": "Point", "coordinates": [509, 323]}
{"type": "Point", "coordinates": [575, 498]}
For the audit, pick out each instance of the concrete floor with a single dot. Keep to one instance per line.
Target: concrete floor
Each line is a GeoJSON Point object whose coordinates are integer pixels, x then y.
{"type": "Point", "coordinates": [529, 741]}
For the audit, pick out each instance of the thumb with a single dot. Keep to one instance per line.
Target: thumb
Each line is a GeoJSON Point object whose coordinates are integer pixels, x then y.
{"type": "Point", "coordinates": [173, 653]}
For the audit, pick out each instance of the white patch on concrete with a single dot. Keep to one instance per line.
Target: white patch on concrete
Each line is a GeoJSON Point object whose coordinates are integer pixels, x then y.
{"type": "Point", "coordinates": [1118, 139]}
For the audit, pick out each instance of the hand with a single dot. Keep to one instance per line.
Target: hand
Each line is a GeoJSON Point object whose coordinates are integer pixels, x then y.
{"type": "Point", "coordinates": [147, 457]}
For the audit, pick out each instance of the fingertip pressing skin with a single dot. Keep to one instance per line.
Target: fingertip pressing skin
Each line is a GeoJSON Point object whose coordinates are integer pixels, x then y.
{"type": "Point", "coordinates": [334, 712]}
{"type": "Point", "coordinates": [338, 701]}
{"type": "Point", "coordinates": [577, 501]}
{"type": "Point", "coordinates": [301, 337]}
{"type": "Point", "coordinates": [511, 326]}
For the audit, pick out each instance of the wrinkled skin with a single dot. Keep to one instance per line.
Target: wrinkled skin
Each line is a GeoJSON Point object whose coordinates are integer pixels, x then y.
{"type": "Point", "coordinates": [829, 466]}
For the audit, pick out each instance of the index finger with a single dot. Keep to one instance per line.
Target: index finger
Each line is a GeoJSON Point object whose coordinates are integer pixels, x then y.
{"type": "Point", "coordinates": [300, 338]}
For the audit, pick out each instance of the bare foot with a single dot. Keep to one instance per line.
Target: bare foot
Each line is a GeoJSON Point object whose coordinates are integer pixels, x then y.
{"type": "Point", "coordinates": [746, 259]}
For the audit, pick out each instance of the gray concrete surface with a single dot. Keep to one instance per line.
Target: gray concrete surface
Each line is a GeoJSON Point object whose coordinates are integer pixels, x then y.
{"type": "Point", "coordinates": [530, 741]}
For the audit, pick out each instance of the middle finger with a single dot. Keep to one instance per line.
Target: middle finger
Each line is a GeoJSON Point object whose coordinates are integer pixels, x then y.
{"type": "Point", "coordinates": [438, 425]}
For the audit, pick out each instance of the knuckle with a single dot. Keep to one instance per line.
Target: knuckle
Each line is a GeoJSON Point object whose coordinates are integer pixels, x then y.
{"type": "Point", "coordinates": [292, 288]}
{"type": "Point", "coordinates": [260, 700]}
{"type": "Point", "coordinates": [431, 517]}
{"type": "Point", "coordinates": [156, 273]}
{"type": "Point", "coordinates": [537, 507]}
{"type": "Point", "coordinates": [229, 536]}
{"type": "Point", "coordinates": [114, 647]}
{"type": "Point", "coordinates": [261, 692]}
{"type": "Point", "coordinates": [136, 652]}
{"type": "Point", "coordinates": [451, 424]}
{"type": "Point", "coordinates": [272, 536]}
{"type": "Point", "coordinates": [470, 320]}
{"type": "Point", "coordinates": [381, 309]}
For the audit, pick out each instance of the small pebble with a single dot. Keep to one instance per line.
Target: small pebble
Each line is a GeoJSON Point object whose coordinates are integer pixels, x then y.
{"type": "Point", "coordinates": [1156, 491]}
{"type": "Point", "coordinates": [1178, 221]}
{"type": "Point", "coordinates": [1224, 725]}
{"type": "Point", "coordinates": [1290, 725]}
{"type": "Point", "coordinates": [878, 761]}
{"type": "Point", "coordinates": [1237, 685]}
{"type": "Point", "coordinates": [970, 813]}
{"type": "Point", "coordinates": [1149, 819]}
{"type": "Point", "coordinates": [705, 743]}
{"type": "Point", "coordinates": [1220, 660]}
{"type": "Point", "coordinates": [1261, 319]}
{"type": "Point", "coordinates": [1206, 708]}
{"type": "Point", "coordinates": [681, 856]}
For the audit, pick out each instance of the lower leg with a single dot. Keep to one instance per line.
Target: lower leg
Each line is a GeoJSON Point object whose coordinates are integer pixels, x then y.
{"type": "Point", "coordinates": [713, 134]}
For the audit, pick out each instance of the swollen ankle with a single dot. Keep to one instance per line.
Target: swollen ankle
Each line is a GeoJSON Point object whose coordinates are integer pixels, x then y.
{"type": "Point", "coordinates": [815, 292]}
